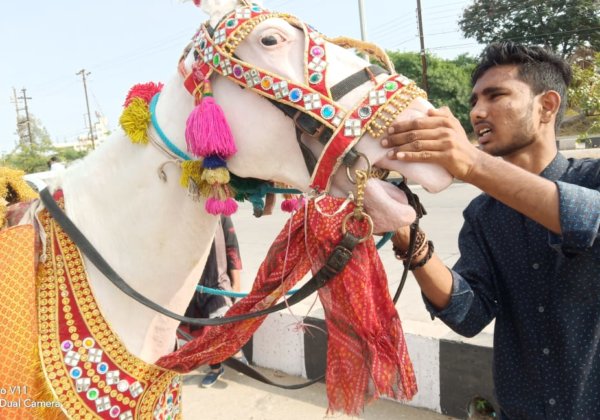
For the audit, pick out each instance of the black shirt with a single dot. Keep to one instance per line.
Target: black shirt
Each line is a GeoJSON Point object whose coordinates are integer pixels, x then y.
{"type": "Point", "coordinates": [544, 292]}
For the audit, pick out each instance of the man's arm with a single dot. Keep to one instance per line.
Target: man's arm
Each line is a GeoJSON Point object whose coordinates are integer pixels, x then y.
{"type": "Point", "coordinates": [439, 138]}
{"type": "Point", "coordinates": [434, 278]}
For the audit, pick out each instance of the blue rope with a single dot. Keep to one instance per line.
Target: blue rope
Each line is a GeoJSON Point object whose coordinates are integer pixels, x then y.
{"type": "Point", "coordinates": [161, 133]}
{"type": "Point", "coordinates": [386, 237]}
{"type": "Point", "coordinates": [219, 292]}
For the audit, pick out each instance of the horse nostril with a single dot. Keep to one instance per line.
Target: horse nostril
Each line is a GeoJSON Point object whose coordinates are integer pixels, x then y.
{"type": "Point", "coordinates": [269, 41]}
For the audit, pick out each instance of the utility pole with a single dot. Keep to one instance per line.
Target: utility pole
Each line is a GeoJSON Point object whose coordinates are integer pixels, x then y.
{"type": "Point", "coordinates": [15, 100]}
{"type": "Point", "coordinates": [423, 56]}
{"type": "Point", "coordinates": [27, 121]}
{"type": "Point", "coordinates": [363, 23]}
{"type": "Point", "coordinates": [83, 73]}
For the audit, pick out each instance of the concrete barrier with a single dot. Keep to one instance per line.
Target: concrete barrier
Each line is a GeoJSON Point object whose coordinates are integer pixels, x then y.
{"type": "Point", "coordinates": [450, 371]}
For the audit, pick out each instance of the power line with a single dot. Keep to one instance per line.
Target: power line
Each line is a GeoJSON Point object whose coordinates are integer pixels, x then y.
{"type": "Point", "coordinates": [422, 42]}
{"type": "Point", "coordinates": [522, 38]}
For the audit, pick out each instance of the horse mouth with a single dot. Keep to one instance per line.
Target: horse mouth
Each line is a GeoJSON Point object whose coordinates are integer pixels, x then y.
{"type": "Point", "coordinates": [387, 205]}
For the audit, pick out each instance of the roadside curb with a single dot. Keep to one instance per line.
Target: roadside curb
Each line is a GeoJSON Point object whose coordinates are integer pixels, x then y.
{"type": "Point", "coordinates": [450, 372]}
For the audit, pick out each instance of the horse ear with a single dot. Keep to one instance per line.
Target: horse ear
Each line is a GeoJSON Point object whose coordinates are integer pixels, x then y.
{"type": "Point", "coordinates": [196, 2]}
{"type": "Point", "coordinates": [216, 9]}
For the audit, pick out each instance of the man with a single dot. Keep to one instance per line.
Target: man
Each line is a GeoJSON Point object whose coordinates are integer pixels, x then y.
{"type": "Point", "coordinates": [223, 272]}
{"type": "Point", "coordinates": [530, 253]}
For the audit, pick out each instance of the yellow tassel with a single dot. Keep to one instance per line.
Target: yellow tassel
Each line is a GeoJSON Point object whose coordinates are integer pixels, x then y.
{"type": "Point", "coordinates": [191, 169]}
{"type": "Point", "coordinates": [216, 176]}
{"type": "Point", "coordinates": [205, 189]}
{"type": "Point", "coordinates": [135, 119]}
{"type": "Point", "coordinates": [13, 189]}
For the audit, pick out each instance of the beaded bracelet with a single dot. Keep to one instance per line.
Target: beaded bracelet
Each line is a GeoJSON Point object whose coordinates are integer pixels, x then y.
{"type": "Point", "coordinates": [425, 259]}
{"type": "Point", "coordinates": [420, 242]}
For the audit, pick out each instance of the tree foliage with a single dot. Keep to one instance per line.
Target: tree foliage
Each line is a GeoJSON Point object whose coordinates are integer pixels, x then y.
{"type": "Point", "coordinates": [562, 25]}
{"type": "Point", "coordinates": [584, 92]}
{"type": "Point", "coordinates": [32, 155]}
{"type": "Point", "coordinates": [448, 80]}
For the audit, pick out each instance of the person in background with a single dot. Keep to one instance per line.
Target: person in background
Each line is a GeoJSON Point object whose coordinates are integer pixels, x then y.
{"type": "Point", "coordinates": [529, 246]}
{"type": "Point", "coordinates": [223, 272]}
{"type": "Point", "coordinates": [54, 164]}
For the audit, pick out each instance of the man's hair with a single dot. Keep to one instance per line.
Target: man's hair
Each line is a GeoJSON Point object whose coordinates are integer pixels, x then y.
{"type": "Point", "coordinates": [541, 69]}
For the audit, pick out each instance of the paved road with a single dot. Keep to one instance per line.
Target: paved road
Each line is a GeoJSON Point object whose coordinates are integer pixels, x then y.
{"type": "Point", "coordinates": [238, 397]}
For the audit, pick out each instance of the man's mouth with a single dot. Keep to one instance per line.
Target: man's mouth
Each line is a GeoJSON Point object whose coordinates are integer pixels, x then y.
{"type": "Point", "coordinates": [483, 135]}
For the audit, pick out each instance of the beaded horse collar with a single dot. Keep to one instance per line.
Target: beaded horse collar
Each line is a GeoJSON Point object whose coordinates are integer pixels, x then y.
{"type": "Point", "coordinates": [89, 370]}
{"type": "Point", "coordinates": [214, 50]}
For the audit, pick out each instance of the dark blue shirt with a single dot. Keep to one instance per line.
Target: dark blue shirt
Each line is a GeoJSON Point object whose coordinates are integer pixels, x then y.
{"type": "Point", "coordinates": [544, 292]}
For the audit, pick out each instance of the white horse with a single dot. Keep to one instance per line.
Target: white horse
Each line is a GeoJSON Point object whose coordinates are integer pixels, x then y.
{"type": "Point", "coordinates": [153, 235]}
{"type": "Point", "coordinates": [158, 239]}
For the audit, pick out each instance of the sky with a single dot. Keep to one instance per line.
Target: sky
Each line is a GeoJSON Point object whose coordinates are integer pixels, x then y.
{"type": "Point", "coordinates": [44, 44]}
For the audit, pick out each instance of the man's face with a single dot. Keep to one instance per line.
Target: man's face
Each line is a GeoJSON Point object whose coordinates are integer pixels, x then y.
{"type": "Point", "coordinates": [503, 112]}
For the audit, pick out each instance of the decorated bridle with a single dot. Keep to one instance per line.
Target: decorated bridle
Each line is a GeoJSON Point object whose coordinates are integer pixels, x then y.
{"type": "Point", "coordinates": [338, 128]}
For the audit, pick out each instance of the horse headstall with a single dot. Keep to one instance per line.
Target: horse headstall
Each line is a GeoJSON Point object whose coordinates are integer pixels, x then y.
{"type": "Point", "coordinates": [214, 51]}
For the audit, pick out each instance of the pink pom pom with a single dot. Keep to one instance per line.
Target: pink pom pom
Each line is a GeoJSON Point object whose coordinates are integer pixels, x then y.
{"type": "Point", "coordinates": [207, 131]}
{"type": "Point", "coordinates": [216, 206]}
{"type": "Point", "coordinates": [289, 205]}
{"type": "Point", "coordinates": [229, 207]}
{"type": "Point", "coordinates": [213, 206]}
{"type": "Point", "coordinates": [145, 91]}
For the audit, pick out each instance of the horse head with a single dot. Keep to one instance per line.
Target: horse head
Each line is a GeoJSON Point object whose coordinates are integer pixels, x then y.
{"type": "Point", "coordinates": [320, 82]}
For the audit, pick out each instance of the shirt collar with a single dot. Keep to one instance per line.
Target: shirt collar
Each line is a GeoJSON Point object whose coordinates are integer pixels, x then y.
{"type": "Point", "coordinates": [556, 168]}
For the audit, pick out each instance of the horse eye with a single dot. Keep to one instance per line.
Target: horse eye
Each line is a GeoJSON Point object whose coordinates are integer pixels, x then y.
{"type": "Point", "coordinates": [271, 40]}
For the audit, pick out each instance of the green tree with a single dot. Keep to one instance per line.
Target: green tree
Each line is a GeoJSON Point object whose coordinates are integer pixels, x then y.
{"type": "Point", "coordinates": [448, 80]}
{"type": "Point", "coordinates": [562, 25]}
{"type": "Point", "coordinates": [584, 92]}
{"type": "Point", "coordinates": [32, 155]}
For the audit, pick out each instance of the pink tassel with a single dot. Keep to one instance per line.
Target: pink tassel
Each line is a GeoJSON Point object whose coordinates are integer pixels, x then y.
{"type": "Point", "coordinates": [289, 205]}
{"type": "Point", "coordinates": [216, 206]}
{"type": "Point", "coordinates": [292, 204]}
{"type": "Point", "coordinates": [213, 206]}
{"type": "Point", "coordinates": [207, 131]}
{"type": "Point", "coordinates": [229, 207]}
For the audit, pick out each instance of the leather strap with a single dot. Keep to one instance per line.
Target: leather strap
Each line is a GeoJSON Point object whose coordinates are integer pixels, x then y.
{"type": "Point", "coordinates": [333, 266]}
{"type": "Point", "coordinates": [415, 202]}
{"type": "Point", "coordinates": [254, 374]}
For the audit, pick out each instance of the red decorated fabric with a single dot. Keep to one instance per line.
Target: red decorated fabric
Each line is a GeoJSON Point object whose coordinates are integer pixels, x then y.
{"type": "Point", "coordinates": [366, 356]}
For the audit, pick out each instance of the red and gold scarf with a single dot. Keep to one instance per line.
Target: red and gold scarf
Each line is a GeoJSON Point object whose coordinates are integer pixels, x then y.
{"type": "Point", "coordinates": [367, 355]}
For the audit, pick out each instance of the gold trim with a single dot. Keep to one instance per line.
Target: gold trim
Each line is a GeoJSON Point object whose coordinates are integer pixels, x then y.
{"type": "Point", "coordinates": [64, 271]}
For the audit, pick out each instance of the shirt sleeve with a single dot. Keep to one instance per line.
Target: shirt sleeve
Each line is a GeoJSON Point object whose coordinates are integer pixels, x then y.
{"type": "Point", "coordinates": [232, 249]}
{"type": "Point", "coordinates": [579, 212]}
{"type": "Point", "coordinates": [472, 304]}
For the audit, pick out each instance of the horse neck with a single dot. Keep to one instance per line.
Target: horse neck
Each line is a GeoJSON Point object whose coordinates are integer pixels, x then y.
{"type": "Point", "coordinates": [148, 230]}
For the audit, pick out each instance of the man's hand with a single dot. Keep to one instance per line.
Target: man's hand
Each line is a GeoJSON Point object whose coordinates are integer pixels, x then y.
{"type": "Point", "coordinates": [437, 138]}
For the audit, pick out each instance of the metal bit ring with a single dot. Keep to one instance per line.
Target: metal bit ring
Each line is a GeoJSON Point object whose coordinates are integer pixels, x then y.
{"type": "Point", "coordinates": [360, 155]}
{"type": "Point", "coordinates": [364, 216]}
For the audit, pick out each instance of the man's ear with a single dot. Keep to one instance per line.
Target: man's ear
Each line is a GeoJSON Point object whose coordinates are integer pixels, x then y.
{"type": "Point", "coordinates": [550, 101]}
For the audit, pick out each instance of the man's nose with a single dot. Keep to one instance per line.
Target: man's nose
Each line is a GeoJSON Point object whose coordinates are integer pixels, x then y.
{"type": "Point", "coordinates": [478, 112]}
